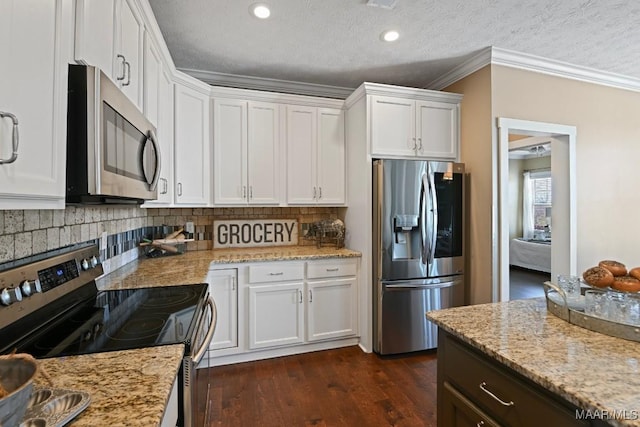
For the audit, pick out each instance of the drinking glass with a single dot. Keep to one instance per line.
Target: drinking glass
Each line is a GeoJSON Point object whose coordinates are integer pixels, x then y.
{"type": "Point", "coordinates": [618, 307]}
{"type": "Point", "coordinates": [596, 303]}
{"type": "Point", "coordinates": [571, 286]}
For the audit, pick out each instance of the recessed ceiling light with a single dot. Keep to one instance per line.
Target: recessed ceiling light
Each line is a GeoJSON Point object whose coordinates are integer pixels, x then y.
{"type": "Point", "coordinates": [260, 10]}
{"type": "Point", "coordinates": [390, 36]}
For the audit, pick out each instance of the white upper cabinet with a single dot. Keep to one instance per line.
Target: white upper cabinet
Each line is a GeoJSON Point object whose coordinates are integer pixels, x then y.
{"type": "Point", "coordinates": [246, 152]}
{"type": "Point", "coordinates": [33, 102]}
{"type": "Point", "coordinates": [405, 127]}
{"type": "Point", "coordinates": [315, 155]}
{"type": "Point", "coordinates": [192, 146]}
{"type": "Point", "coordinates": [164, 117]}
{"type": "Point", "coordinates": [152, 71]}
{"type": "Point", "coordinates": [109, 35]}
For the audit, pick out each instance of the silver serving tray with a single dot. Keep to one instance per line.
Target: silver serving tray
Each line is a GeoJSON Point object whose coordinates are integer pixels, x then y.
{"type": "Point", "coordinates": [54, 407]}
{"type": "Point", "coordinates": [574, 313]}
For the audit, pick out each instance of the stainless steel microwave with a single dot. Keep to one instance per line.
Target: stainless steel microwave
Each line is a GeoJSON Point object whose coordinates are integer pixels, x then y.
{"type": "Point", "coordinates": [112, 152]}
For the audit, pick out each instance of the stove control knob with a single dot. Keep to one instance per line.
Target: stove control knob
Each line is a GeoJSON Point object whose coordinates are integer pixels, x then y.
{"type": "Point", "coordinates": [10, 295]}
{"type": "Point", "coordinates": [93, 261]}
{"type": "Point", "coordinates": [30, 287]}
{"type": "Point", "coordinates": [85, 264]}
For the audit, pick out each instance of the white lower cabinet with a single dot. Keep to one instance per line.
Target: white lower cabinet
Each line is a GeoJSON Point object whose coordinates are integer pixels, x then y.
{"type": "Point", "coordinates": [331, 309]}
{"type": "Point", "coordinates": [223, 287]}
{"type": "Point", "coordinates": [270, 309]}
{"type": "Point", "coordinates": [276, 315]}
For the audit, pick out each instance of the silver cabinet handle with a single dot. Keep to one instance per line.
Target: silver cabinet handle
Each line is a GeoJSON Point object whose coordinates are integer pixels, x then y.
{"type": "Point", "coordinates": [300, 292]}
{"type": "Point", "coordinates": [320, 191]}
{"type": "Point", "coordinates": [179, 189]}
{"type": "Point", "coordinates": [233, 283]}
{"type": "Point", "coordinates": [165, 186]}
{"type": "Point", "coordinates": [251, 192]}
{"type": "Point", "coordinates": [128, 67]}
{"type": "Point", "coordinates": [333, 269]}
{"type": "Point", "coordinates": [244, 191]}
{"type": "Point", "coordinates": [420, 144]}
{"type": "Point", "coordinates": [310, 295]}
{"type": "Point", "coordinates": [15, 138]}
{"type": "Point", "coordinates": [483, 386]}
{"type": "Point", "coordinates": [480, 424]}
{"type": "Point", "coordinates": [314, 192]}
{"type": "Point", "coordinates": [124, 61]}
{"type": "Point", "coordinates": [415, 146]}
{"type": "Point", "coordinates": [280, 273]}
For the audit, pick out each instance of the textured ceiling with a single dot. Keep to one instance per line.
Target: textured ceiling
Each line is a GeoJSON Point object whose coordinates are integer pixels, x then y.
{"type": "Point", "coordinates": [337, 42]}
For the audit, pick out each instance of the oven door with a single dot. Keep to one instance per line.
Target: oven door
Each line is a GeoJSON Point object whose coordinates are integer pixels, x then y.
{"type": "Point", "coordinates": [127, 155]}
{"type": "Point", "coordinates": [195, 395]}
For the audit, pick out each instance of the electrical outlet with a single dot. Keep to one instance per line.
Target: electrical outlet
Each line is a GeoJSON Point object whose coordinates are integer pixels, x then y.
{"type": "Point", "coordinates": [188, 227]}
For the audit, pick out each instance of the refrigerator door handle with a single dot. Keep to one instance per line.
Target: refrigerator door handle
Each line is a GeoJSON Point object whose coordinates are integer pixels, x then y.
{"type": "Point", "coordinates": [434, 216]}
{"type": "Point", "coordinates": [433, 286]}
{"type": "Point", "coordinates": [424, 223]}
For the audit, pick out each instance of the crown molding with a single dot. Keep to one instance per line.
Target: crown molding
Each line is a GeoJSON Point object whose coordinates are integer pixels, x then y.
{"type": "Point", "coordinates": [553, 67]}
{"type": "Point", "coordinates": [524, 61]}
{"type": "Point", "coordinates": [271, 85]}
{"type": "Point", "coordinates": [470, 66]}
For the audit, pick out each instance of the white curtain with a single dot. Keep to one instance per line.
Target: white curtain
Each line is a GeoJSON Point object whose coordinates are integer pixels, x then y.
{"type": "Point", "coordinates": [527, 207]}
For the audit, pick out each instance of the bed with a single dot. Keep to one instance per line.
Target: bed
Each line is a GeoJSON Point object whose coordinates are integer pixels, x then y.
{"type": "Point", "coordinates": [531, 254]}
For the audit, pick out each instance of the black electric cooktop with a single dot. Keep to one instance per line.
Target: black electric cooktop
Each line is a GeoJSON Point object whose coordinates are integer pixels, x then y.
{"type": "Point", "coordinates": [113, 320]}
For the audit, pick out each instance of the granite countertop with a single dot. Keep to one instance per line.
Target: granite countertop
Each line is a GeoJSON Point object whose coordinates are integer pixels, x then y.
{"type": "Point", "coordinates": [192, 267]}
{"type": "Point", "coordinates": [593, 371]}
{"type": "Point", "coordinates": [127, 388]}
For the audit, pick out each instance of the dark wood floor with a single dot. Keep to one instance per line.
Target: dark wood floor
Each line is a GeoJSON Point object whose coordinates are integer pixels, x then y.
{"type": "Point", "coordinates": [524, 283]}
{"type": "Point", "coordinates": [340, 387]}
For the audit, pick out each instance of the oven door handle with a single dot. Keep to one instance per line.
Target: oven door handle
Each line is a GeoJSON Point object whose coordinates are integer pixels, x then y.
{"type": "Point", "coordinates": [212, 328]}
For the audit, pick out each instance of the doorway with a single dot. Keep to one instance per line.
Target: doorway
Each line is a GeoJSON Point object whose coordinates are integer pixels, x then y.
{"type": "Point", "coordinates": [562, 140]}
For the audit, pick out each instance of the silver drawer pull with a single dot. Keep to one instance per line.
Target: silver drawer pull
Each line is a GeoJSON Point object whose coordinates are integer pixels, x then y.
{"type": "Point", "coordinates": [276, 274]}
{"type": "Point", "coordinates": [502, 402]}
{"type": "Point", "coordinates": [480, 424]}
{"type": "Point", "coordinates": [333, 269]}
{"type": "Point", "coordinates": [14, 137]}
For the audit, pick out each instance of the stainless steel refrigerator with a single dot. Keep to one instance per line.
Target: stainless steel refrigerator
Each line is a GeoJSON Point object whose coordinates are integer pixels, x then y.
{"type": "Point", "coordinates": [418, 217]}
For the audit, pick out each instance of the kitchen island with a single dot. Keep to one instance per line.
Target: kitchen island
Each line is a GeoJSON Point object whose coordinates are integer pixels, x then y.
{"type": "Point", "coordinates": [128, 388]}
{"type": "Point", "coordinates": [596, 375]}
{"type": "Point", "coordinates": [193, 266]}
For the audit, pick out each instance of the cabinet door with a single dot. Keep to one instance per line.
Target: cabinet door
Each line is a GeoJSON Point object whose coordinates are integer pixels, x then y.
{"type": "Point", "coordinates": [165, 140]}
{"type": "Point", "coordinates": [458, 411]}
{"type": "Point", "coordinates": [33, 89]}
{"type": "Point", "coordinates": [302, 125]}
{"type": "Point", "coordinates": [437, 129]}
{"type": "Point", "coordinates": [331, 157]}
{"type": "Point", "coordinates": [94, 34]}
{"type": "Point", "coordinates": [275, 315]}
{"type": "Point", "coordinates": [230, 151]}
{"type": "Point", "coordinates": [224, 291]}
{"type": "Point", "coordinates": [191, 147]}
{"type": "Point", "coordinates": [152, 71]}
{"type": "Point", "coordinates": [129, 33]}
{"type": "Point", "coordinates": [263, 153]}
{"type": "Point", "coordinates": [392, 126]}
{"type": "Point", "coordinates": [331, 309]}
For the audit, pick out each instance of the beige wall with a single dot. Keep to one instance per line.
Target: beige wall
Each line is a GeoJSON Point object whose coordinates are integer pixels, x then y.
{"type": "Point", "coordinates": [607, 152]}
{"type": "Point", "coordinates": [476, 152]}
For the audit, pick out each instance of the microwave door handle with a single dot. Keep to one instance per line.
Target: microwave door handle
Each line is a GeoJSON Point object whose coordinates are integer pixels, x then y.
{"type": "Point", "coordinates": [14, 138]}
{"type": "Point", "coordinates": [197, 357]}
{"type": "Point", "coordinates": [156, 173]}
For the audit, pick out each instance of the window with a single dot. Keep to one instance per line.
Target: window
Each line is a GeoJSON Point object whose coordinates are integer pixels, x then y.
{"type": "Point", "coordinates": [541, 202]}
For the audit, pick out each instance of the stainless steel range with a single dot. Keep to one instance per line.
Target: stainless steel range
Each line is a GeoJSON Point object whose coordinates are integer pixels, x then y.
{"type": "Point", "coordinates": [50, 307]}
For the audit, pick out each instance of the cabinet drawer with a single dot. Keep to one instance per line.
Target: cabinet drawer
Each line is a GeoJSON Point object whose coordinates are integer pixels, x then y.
{"type": "Point", "coordinates": [486, 384]}
{"type": "Point", "coordinates": [332, 268]}
{"type": "Point", "coordinates": [458, 411]}
{"type": "Point", "coordinates": [276, 272]}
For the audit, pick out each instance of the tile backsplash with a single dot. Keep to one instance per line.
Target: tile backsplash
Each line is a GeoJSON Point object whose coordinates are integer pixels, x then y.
{"type": "Point", "coordinates": [28, 232]}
